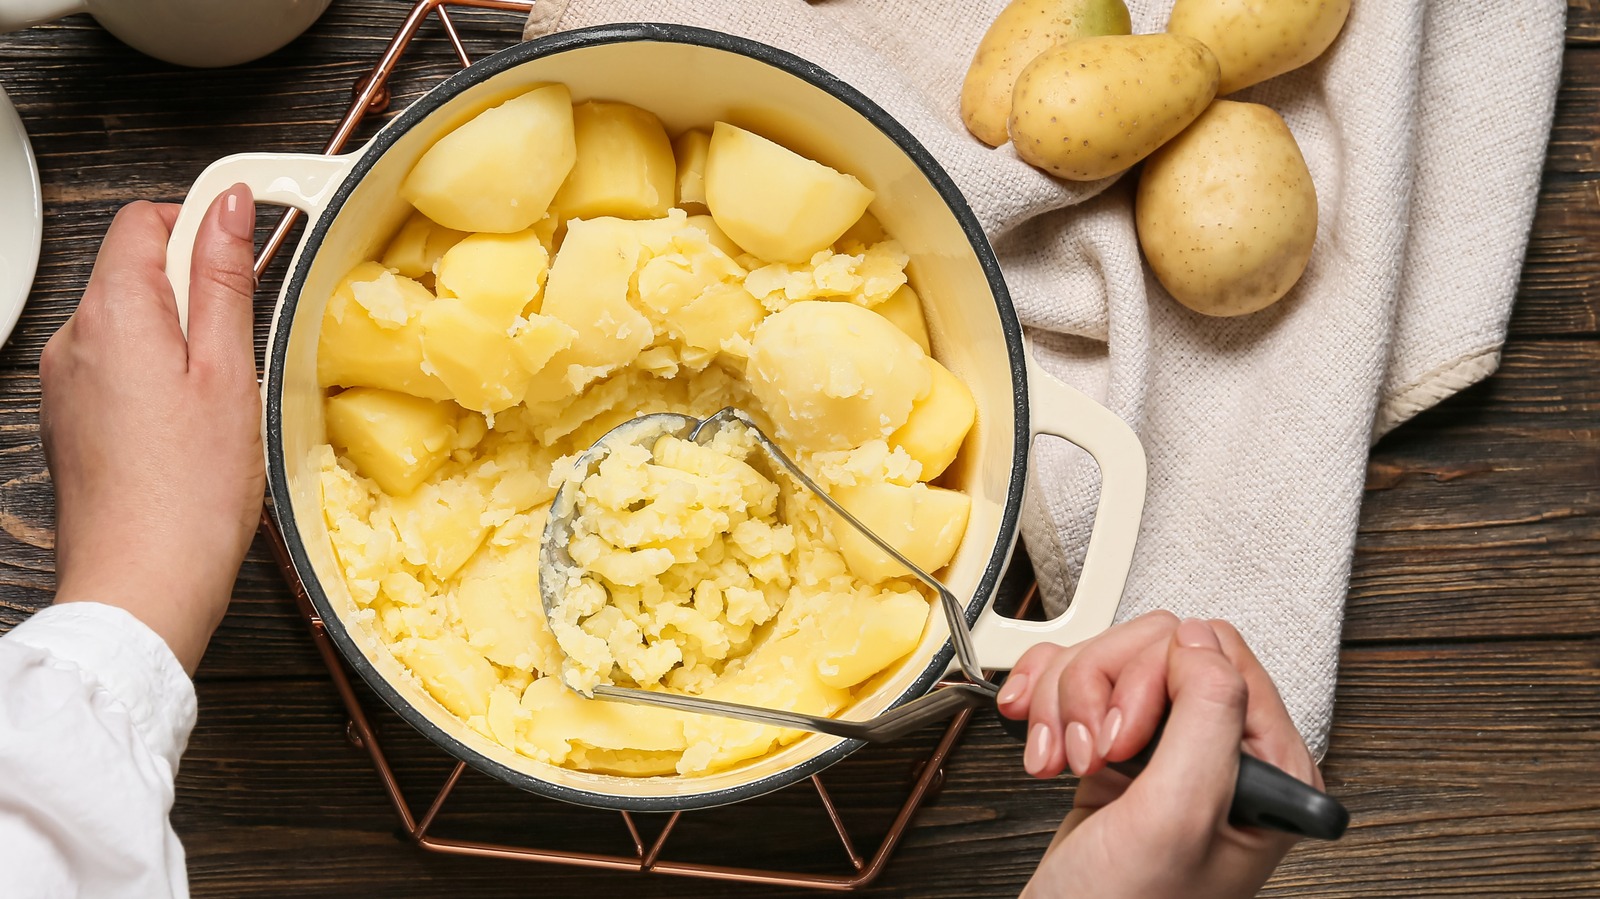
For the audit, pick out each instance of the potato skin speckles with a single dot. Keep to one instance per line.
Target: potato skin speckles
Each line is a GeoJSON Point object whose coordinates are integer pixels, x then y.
{"type": "Point", "coordinates": [1023, 30]}
{"type": "Point", "coordinates": [1054, 132]}
{"type": "Point", "coordinates": [1226, 212]}
{"type": "Point", "coordinates": [1255, 40]}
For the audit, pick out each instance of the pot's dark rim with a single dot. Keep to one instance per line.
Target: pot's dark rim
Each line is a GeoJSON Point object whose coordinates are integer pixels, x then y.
{"type": "Point", "coordinates": [277, 471]}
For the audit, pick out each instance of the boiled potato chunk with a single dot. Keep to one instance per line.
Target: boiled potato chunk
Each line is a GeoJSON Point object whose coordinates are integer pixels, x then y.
{"type": "Point", "coordinates": [441, 523]}
{"type": "Point", "coordinates": [779, 674]}
{"type": "Point", "coordinates": [451, 671]}
{"type": "Point", "coordinates": [562, 720]}
{"type": "Point", "coordinates": [904, 309]}
{"type": "Point", "coordinates": [773, 202]}
{"type": "Point", "coordinates": [394, 439]}
{"type": "Point", "coordinates": [1023, 30]}
{"type": "Point", "coordinates": [1091, 108]}
{"type": "Point", "coordinates": [690, 149]}
{"type": "Point", "coordinates": [924, 523]}
{"type": "Point", "coordinates": [1254, 41]}
{"type": "Point", "coordinates": [497, 275]}
{"type": "Point", "coordinates": [624, 166]}
{"type": "Point", "coordinates": [834, 375]}
{"type": "Point", "coordinates": [498, 600]}
{"type": "Point", "coordinates": [588, 291]}
{"type": "Point", "coordinates": [372, 334]}
{"type": "Point", "coordinates": [721, 312]}
{"type": "Point", "coordinates": [938, 424]}
{"type": "Point", "coordinates": [1226, 212]}
{"type": "Point", "coordinates": [472, 356]}
{"type": "Point", "coordinates": [499, 170]}
{"type": "Point", "coordinates": [537, 339]}
{"type": "Point", "coordinates": [415, 249]}
{"type": "Point", "coordinates": [870, 636]}
{"type": "Point", "coordinates": [715, 235]}
{"type": "Point", "coordinates": [864, 233]}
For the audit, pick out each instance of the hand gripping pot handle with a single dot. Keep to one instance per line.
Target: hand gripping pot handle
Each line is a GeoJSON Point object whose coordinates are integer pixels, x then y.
{"type": "Point", "coordinates": [303, 181]}
{"type": "Point", "coordinates": [1061, 411]}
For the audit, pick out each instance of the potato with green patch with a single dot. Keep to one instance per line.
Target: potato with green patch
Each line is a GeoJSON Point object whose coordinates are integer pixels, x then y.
{"type": "Point", "coordinates": [1023, 30]}
{"type": "Point", "coordinates": [1254, 41]}
{"type": "Point", "coordinates": [1091, 108]}
{"type": "Point", "coordinates": [1227, 212]}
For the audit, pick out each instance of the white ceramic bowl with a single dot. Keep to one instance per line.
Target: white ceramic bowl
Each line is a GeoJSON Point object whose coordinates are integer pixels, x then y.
{"type": "Point", "coordinates": [692, 77]}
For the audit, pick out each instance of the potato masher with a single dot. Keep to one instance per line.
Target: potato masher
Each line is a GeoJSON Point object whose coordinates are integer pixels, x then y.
{"type": "Point", "coordinates": [1264, 795]}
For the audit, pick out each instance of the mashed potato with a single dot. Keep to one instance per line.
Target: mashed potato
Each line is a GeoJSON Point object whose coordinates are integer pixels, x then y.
{"type": "Point", "coordinates": [465, 369]}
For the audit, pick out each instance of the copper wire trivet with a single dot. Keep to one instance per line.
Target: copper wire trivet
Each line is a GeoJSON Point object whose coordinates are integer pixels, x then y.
{"type": "Point", "coordinates": [372, 97]}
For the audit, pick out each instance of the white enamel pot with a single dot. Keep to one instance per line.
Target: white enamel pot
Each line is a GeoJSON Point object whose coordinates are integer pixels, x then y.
{"type": "Point", "coordinates": [692, 77]}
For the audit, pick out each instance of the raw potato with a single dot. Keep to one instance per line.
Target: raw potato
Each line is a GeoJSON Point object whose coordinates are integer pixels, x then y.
{"type": "Point", "coordinates": [924, 523]}
{"type": "Point", "coordinates": [499, 171]}
{"type": "Point", "coordinates": [1227, 212]}
{"type": "Point", "coordinates": [418, 245]}
{"type": "Point", "coordinates": [394, 439]}
{"type": "Point", "coordinates": [774, 202]}
{"type": "Point", "coordinates": [1092, 108]}
{"type": "Point", "coordinates": [1023, 30]}
{"type": "Point", "coordinates": [690, 149]}
{"type": "Point", "coordinates": [624, 165]}
{"type": "Point", "coordinates": [834, 375]}
{"type": "Point", "coordinates": [938, 423]}
{"type": "Point", "coordinates": [1253, 40]}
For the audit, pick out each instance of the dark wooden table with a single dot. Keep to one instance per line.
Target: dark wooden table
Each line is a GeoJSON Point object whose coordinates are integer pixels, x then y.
{"type": "Point", "coordinates": [1467, 733]}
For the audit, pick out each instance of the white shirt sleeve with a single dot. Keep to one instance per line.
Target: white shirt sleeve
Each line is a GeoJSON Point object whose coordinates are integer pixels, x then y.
{"type": "Point", "coordinates": [94, 712]}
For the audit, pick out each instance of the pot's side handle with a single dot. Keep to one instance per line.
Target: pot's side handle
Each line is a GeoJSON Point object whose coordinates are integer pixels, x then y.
{"type": "Point", "coordinates": [303, 181]}
{"type": "Point", "coordinates": [1061, 411]}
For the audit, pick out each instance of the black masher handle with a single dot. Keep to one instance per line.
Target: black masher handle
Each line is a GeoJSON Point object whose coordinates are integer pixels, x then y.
{"type": "Point", "coordinates": [1263, 796]}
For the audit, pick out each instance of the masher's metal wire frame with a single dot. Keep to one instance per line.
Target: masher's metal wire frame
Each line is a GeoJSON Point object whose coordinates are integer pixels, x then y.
{"type": "Point", "coordinates": [372, 96]}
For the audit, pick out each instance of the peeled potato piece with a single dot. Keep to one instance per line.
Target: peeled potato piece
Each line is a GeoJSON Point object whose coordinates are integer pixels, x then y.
{"type": "Point", "coordinates": [417, 246]}
{"type": "Point", "coordinates": [498, 275]}
{"type": "Point", "coordinates": [498, 171]}
{"type": "Point", "coordinates": [372, 334]}
{"type": "Point", "coordinates": [924, 523]}
{"type": "Point", "coordinates": [452, 671]}
{"type": "Point", "coordinates": [834, 375]}
{"type": "Point", "coordinates": [774, 202]}
{"type": "Point", "coordinates": [473, 356]}
{"type": "Point", "coordinates": [588, 291]}
{"type": "Point", "coordinates": [690, 148]}
{"type": "Point", "coordinates": [624, 166]}
{"type": "Point", "coordinates": [715, 235]}
{"type": "Point", "coordinates": [904, 309]}
{"type": "Point", "coordinates": [869, 637]}
{"type": "Point", "coordinates": [394, 439]}
{"type": "Point", "coordinates": [938, 424]}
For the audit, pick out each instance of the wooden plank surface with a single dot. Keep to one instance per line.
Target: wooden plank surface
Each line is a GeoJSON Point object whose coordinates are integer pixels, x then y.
{"type": "Point", "coordinates": [1465, 736]}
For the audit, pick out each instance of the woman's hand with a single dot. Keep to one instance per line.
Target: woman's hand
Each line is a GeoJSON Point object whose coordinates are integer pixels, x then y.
{"type": "Point", "coordinates": [1165, 834]}
{"type": "Point", "coordinates": [154, 442]}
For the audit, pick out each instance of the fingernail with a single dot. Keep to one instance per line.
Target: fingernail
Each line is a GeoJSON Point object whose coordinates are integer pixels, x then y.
{"type": "Point", "coordinates": [239, 213]}
{"type": "Point", "coordinates": [1080, 747]}
{"type": "Point", "coordinates": [1037, 753]}
{"type": "Point", "coordinates": [1194, 633]}
{"type": "Point", "coordinates": [1108, 732]}
{"type": "Point", "coordinates": [1015, 684]}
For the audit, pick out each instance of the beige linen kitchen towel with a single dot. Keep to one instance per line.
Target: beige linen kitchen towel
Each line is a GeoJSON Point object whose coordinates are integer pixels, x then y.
{"type": "Point", "coordinates": [1424, 127]}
